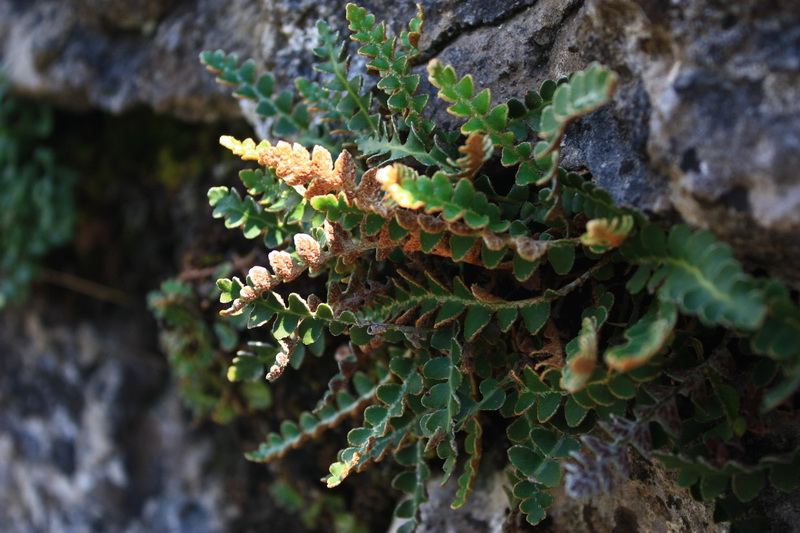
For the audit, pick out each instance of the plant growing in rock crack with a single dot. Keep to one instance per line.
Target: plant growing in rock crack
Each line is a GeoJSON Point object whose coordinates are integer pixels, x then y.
{"type": "Point", "coordinates": [457, 295]}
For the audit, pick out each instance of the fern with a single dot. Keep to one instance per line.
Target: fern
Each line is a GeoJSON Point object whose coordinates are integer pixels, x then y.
{"type": "Point", "coordinates": [36, 201]}
{"type": "Point", "coordinates": [539, 299]}
{"type": "Point", "coordinates": [699, 274]}
{"type": "Point", "coordinates": [392, 63]}
{"type": "Point", "coordinates": [291, 116]}
{"type": "Point", "coordinates": [311, 425]}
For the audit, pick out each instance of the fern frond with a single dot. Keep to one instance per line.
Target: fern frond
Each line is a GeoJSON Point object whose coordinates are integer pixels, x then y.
{"type": "Point", "coordinates": [377, 420]}
{"type": "Point", "coordinates": [507, 125]}
{"type": "Point", "coordinates": [393, 65]}
{"type": "Point", "coordinates": [316, 173]}
{"type": "Point", "coordinates": [343, 99]}
{"type": "Point", "coordinates": [437, 194]}
{"type": "Point", "coordinates": [585, 92]}
{"type": "Point", "coordinates": [437, 304]}
{"type": "Point", "coordinates": [249, 216]}
{"type": "Point", "coordinates": [536, 462]}
{"type": "Point", "coordinates": [777, 339]}
{"type": "Point", "coordinates": [291, 116]}
{"type": "Point", "coordinates": [473, 448]}
{"type": "Point", "coordinates": [412, 483]}
{"type": "Point", "coordinates": [698, 274]}
{"type": "Point", "coordinates": [311, 425]}
{"type": "Point", "coordinates": [439, 424]}
{"type": "Point", "coordinates": [645, 339]}
{"type": "Point", "coordinates": [390, 145]}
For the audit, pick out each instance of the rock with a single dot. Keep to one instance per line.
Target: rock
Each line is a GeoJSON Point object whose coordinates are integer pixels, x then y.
{"type": "Point", "coordinates": [87, 444]}
{"type": "Point", "coordinates": [116, 55]}
{"type": "Point", "coordinates": [723, 85]}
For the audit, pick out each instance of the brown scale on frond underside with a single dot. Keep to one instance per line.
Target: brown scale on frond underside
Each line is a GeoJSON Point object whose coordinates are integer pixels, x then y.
{"type": "Point", "coordinates": [316, 171]}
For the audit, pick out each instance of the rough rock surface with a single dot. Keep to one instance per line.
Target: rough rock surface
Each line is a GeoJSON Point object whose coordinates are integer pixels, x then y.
{"type": "Point", "coordinates": [722, 81]}
{"type": "Point", "coordinates": [86, 446]}
{"type": "Point", "coordinates": [705, 126]}
{"type": "Point", "coordinates": [649, 501]}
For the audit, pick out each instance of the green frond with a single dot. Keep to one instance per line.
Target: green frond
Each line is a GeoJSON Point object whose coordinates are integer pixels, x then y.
{"type": "Point", "coordinates": [343, 98]}
{"type": "Point", "coordinates": [700, 275]}
{"type": "Point", "coordinates": [585, 92]}
{"type": "Point", "coordinates": [746, 481]}
{"type": "Point", "coordinates": [248, 215]}
{"type": "Point", "coordinates": [645, 339]}
{"type": "Point", "coordinates": [377, 420]}
{"type": "Point", "coordinates": [434, 303]}
{"type": "Point", "coordinates": [473, 448]}
{"type": "Point", "coordinates": [438, 195]}
{"type": "Point", "coordinates": [392, 64]}
{"type": "Point", "coordinates": [536, 464]}
{"type": "Point", "coordinates": [291, 116]}
{"type": "Point", "coordinates": [412, 483]}
{"type": "Point", "coordinates": [444, 404]}
{"type": "Point", "coordinates": [387, 146]}
{"type": "Point", "coordinates": [311, 425]}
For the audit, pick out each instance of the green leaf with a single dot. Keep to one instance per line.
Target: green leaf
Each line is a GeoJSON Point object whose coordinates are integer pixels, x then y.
{"type": "Point", "coordinates": [535, 501]}
{"type": "Point", "coordinates": [506, 316]}
{"type": "Point", "coordinates": [785, 477]}
{"type": "Point", "coordinates": [524, 269]}
{"type": "Point", "coordinates": [645, 339]}
{"type": "Point", "coordinates": [429, 241]}
{"type": "Point", "coordinates": [561, 258]}
{"type": "Point", "coordinates": [600, 394]}
{"type": "Point", "coordinates": [547, 406]}
{"type": "Point", "coordinates": [359, 335]}
{"type": "Point", "coordinates": [477, 318]}
{"type": "Point", "coordinates": [574, 412]}
{"type": "Point", "coordinates": [246, 367]}
{"type": "Point", "coordinates": [285, 325]}
{"type": "Point", "coordinates": [535, 316]}
{"type": "Point", "coordinates": [535, 467]}
{"type": "Point", "coordinates": [712, 485]}
{"type": "Point", "coordinates": [309, 331]}
{"type": "Point", "coordinates": [449, 311]}
{"type": "Point", "coordinates": [461, 245]}
{"type": "Point", "coordinates": [261, 312]}
{"type": "Point", "coordinates": [525, 459]}
{"type": "Point", "coordinates": [747, 486]}
{"type": "Point", "coordinates": [622, 387]}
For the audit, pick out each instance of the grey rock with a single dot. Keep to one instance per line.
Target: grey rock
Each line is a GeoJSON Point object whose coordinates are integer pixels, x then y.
{"type": "Point", "coordinates": [87, 444]}
{"type": "Point", "coordinates": [721, 80]}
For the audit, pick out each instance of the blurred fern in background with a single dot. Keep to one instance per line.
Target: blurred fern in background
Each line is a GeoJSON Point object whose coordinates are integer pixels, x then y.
{"type": "Point", "coordinates": [37, 211]}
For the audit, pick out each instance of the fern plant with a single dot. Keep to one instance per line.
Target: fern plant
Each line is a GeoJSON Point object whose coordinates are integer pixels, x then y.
{"type": "Point", "coordinates": [457, 296]}
{"type": "Point", "coordinates": [36, 206]}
